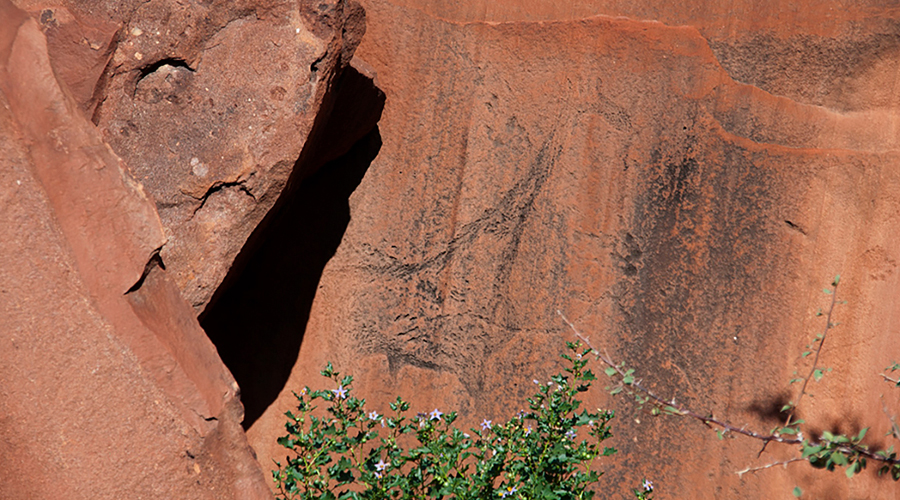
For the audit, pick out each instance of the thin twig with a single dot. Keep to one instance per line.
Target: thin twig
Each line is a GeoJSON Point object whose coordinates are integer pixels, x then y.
{"type": "Point", "coordinates": [680, 409]}
{"type": "Point", "coordinates": [895, 430]}
{"type": "Point", "coordinates": [812, 370]}
{"type": "Point", "coordinates": [769, 466]}
{"type": "Point", "coordinates": [673, 407]}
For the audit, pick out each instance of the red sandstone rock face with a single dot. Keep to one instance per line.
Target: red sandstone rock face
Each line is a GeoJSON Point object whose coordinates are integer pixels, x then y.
{"type": "Point", "coordinates": [210, 104]}
{"type": "Point", "coordinates": [108, 386]}
{"type": "Point", "coordinates": [677, 192]}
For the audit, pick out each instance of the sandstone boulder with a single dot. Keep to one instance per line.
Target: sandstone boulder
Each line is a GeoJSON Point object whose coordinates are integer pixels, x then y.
{"type": "Point", "coordinates": [209, 103]}
{"type": "Point", "coordinates": [108, 386]}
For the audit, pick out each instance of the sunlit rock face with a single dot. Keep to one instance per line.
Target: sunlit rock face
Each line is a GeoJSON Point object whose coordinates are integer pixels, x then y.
{"type": "Point", "coordinates": [680, 180]}
{"type": "Point", "coordinates": [415, 190]}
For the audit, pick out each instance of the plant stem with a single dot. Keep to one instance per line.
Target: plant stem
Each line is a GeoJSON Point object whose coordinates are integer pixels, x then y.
{"type": "Point", "coordinates": [812, 370]}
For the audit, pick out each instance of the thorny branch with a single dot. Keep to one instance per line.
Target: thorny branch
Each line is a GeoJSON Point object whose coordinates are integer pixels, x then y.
{"type": "Point", "coordinates": [670, 406]}
{"type": "Point", "coordinates": [815, 363]}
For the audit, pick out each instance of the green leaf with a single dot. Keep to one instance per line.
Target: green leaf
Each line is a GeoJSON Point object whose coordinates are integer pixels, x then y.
{"type": "Point", "coordinates": [817, 374]}
{"type": "Point", "coordinates": [610, 371]}
{"type": "Point", "coordinates": [811, 450]}
{"type": "Point", "coordinates": [862, 434]}
{"type": "Point", "coordinates": [837, 279]}
{"type": "Point", "coordinates": [719, 433]}
{"type": "Point", "coordinates": [853, 469]}
{"type": "Point", "coordinates": [797, 491]}
{"type": "Point", "coordinates": [827, 291]}
{"type": "Point", "coordinates": [628, 379]}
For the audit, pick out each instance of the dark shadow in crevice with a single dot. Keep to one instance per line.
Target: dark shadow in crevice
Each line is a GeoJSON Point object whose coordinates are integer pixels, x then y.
{"type": "Point", "coordinates": [258, 316]}
{"type": "Point", "coordinates": [169, 61]}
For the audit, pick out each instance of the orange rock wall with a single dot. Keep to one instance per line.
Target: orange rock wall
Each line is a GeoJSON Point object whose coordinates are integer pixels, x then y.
{"type": "Point", "coordinates": [680, 180]}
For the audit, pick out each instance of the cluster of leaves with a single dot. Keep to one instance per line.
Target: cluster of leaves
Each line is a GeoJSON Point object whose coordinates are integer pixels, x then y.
{"type": "Point", "coordinates": [347, 452]}
{"type": "Point", "coordinates": [824, 451]}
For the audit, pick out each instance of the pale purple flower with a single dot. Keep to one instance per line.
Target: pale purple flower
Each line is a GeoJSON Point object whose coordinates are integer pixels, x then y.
{"type": "Point", "coordinates": [435, 415]}
{"type": "Point", "coordinates": [527, 431]}
{"type": "Point", "coordinates": [340, 392]}
{"type": "Point", "coordinates": [373, 415]}
{"type": "Point", "coordinates": [485, 424]}
{"type": "Point", "coordinates": [508, 491]}
{"type": "Point", "coordinates": [571, 434]}
{"type": "Point", "coordinates": [648, 486]}
{"type": "Point", "coordinates": [379, 468]}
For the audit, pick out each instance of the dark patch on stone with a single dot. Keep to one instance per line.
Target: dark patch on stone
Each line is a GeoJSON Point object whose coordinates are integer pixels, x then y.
{"type": "Point", "coordinates": [702, 223]}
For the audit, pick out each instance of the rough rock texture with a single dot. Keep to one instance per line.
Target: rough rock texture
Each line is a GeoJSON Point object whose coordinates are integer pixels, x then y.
{"type": "Point", "coordinates": [209, 103]}
{"type": "Point", "coordinates": [681, 183]}
{"type": "Point", "coordinates": [108, 386]}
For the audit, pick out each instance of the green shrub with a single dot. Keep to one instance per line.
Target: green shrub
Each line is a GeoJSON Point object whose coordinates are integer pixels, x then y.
{"type": "Point", "coordinates": [348, 452]}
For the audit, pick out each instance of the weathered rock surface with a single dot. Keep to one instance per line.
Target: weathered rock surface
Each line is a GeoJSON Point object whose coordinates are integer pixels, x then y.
{"type": "Point", "coordinates": [108, 386]}
{"type": "Point", "coordinates": [681, 183]}
{"type": "Point", "coordinates": [209, 103]}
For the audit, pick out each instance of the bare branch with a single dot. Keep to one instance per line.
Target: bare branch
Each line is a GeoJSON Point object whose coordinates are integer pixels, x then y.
{"type": "Point", "coordinates": [812, 370]}
{"type": "Point", "coordinates": [740, 473]}
{"type": "Point", "coordinates": [895, 430]}
{"type": "Point", "coordinates": [670, 406]}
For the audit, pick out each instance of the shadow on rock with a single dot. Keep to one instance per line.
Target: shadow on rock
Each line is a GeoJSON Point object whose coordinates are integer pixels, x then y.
{"type": "Point", "coordinates": [258, 317]}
